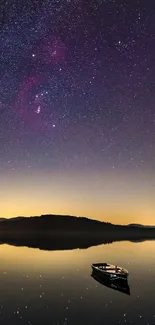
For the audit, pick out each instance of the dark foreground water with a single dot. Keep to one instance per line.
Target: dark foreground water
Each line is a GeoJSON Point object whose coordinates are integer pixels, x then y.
{"type": "Point", "coordinates": [55, 287]}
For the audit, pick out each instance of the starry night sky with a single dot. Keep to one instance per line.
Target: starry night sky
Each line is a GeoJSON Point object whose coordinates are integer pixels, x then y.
{"type": "Point", "coordinates": [77, 108]}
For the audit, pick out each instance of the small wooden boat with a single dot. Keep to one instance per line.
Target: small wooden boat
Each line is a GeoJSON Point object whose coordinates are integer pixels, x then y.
{"type": "Point", "coordinates": [110, 271]}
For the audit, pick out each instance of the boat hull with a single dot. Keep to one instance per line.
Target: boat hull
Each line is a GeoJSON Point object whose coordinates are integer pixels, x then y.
{"type": "Point", "coordinates": [117, 284]}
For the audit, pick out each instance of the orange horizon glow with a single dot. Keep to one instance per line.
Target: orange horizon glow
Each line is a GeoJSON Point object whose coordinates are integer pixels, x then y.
{"type": "Point", "coordinates": [116, 197]}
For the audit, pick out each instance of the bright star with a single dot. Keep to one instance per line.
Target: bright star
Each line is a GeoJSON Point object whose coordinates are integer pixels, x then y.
{"type": "Point", "coordinates": [38, 110]}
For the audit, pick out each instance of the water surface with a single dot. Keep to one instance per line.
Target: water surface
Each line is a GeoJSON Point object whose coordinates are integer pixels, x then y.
{"type": "Point", "coordinates": [55, 287]}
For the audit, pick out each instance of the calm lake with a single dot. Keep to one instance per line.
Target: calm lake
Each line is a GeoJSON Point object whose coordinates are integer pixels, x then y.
{"type": "Point", "coordinates": [55, 287]}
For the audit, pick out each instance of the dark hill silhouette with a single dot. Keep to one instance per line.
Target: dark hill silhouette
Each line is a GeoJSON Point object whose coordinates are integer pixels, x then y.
{"type": "Point", "coordinates": [56, 232]}
{"type": "Point", "coordinates": [50, 223]}
{"type": "Point", "coordinates": [139, 225]}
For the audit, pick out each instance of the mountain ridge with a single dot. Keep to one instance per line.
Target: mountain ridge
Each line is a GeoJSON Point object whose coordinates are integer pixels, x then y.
{"type": "Point", "coordinates": [71, 218]}
{"type": "Point", "coordinates": [57, 232]}
{"type": "Point", "coordinates": [63, 223]}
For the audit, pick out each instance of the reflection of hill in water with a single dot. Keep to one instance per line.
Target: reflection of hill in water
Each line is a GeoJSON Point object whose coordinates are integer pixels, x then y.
{"type": "Point", "coordinates": [60, 243]}
{"type": "Point", "coordinates": [54, 243]}
{"type": "Point", "coordinates": [66, 232]}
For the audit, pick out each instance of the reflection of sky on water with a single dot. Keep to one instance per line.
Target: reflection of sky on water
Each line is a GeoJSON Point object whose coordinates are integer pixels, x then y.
{"type": "Point", "coordinates": [56, 287]}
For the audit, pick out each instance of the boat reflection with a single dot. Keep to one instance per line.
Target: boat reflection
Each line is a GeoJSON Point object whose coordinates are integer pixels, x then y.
{"type": "Point", "coordinates": [115, 284]}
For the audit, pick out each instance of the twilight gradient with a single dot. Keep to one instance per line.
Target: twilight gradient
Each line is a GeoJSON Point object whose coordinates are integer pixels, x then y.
{"type": "Point", "coordinates": [77, 117]}
{"type": "Point", "coordinates": [109, 196]}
